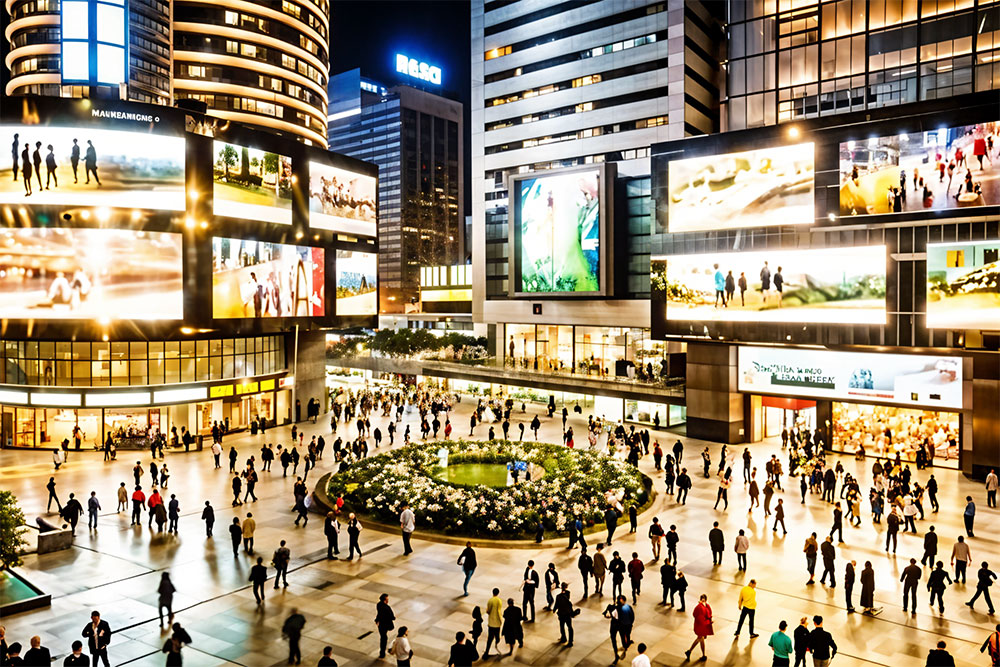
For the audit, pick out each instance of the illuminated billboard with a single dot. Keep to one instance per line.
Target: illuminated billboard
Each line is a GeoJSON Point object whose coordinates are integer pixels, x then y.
{"type": "Point", "coordinates": [822, 285]}
{"type": "Point", "coordinates": [250, 183]}
{"type": "Point", "coordinates": [963, 285]}
{"type": "Point", "coordinates": [342, 201]}
{"type": "Point", "coordinates": [59, 274]}
{"type": "Point", "coordinates": [255, 279]}
{"type": "Point", "coordinates": [357, 282]}
{"type": "Point", "coordinates": [754, 188]}
{"type": "Point", "coordinates": [87, 166]}
{"type": "Point", "coordinates": [557, 223]}
{"type": "Point", "coordinates": [902, 379]}
{"type": "Point", "coordinates": [947, 168]}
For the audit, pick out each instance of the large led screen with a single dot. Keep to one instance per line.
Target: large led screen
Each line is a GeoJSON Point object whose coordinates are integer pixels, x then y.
{"type": "Point", "coordinates": [941, 169]}
{"type": "Point", "coordinates": [357, 282]}
{"type": "Point", "coordinates": [880, 378]}
{"type": "Point", "coordinates": [825, 285]}
{"type": "Point", "coordinates": [250, 183]}
{"type": "Point", "coordinates": [755, 188]}
{"type": "Point", "coordinates": [88, 166]}
{"type": "Point", "coordinates": [559, 226]}
{"type": "Point", "coordinates": [341, 200]}
{"type": "Point", "coordinates": [254, 279]}
{"type": "Point", "coordinates": [963, 285]}
{"type": "Point", "coordinates": [59, 274]}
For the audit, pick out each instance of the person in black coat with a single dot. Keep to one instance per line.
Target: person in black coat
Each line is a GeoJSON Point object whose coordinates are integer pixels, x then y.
{"type": "Point", "coordinates": [384, 621]}
{"type": "Point", "coordinates": [37, 654]}
{"type": "Point", "coordinates": [868, 588]}
{"type": "Point", "coordinates": [801, 641]}
{"type": "Point", "coordinates": [849, 585]}
{"type": "Point", "coordinates": [513, 632]}
{"type": "Point", "coordinates": [77, 658]}
{"type": "Point", "coordinates": [98, 635]}
{"type": "Point", "coordinates": [258, 575]}
{"type": "Point", "coordinates": [236, 535]}
{"type": "Point", "coordinates": [565, 613]}
{"type": "Point", "coordinates": [463, 652]}
{"type": "Point", "coordinates": [717, 541]}
{"type": "Point", "coordinates": [937, 582]}
{"type": "Point", "coordinates": [208, 516]}
{"type": "Point", "coordinates": [331, 528]}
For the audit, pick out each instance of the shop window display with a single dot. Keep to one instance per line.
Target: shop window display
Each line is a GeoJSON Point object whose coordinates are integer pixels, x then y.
{"type": "Point", "coordinates": [883, 431]}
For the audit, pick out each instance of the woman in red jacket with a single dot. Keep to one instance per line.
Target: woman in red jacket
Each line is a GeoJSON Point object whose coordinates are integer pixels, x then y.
{"type": "Point", "coordinates": [702, 626]}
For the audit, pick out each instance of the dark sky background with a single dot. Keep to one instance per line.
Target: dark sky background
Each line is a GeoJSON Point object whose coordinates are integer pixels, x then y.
{"type": "Point", "coordinates": [369, 33]}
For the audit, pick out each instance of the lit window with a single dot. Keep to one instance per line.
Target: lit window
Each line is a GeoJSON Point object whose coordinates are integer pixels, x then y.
{"type": "Point", "coordinates": [276, 85]}
{"type": "Point", "coordinates": [232, 18]}
{"type": "Point", "coordinates": [290, 8]}
{"type": "Point", "coordinates": [287, 61]}
{"type": "Point", "coordinates": [249, 50]}
{"type": "Point", "coordinates": [75, 23]}
{"type": "Point", "coordinates": [497, 52]}
{"type": "Point", "coordinates": [110, 64]}
{"type": "Point", "coordinates": [196, 70]}
{"type": "Point", "coordinates": [231, 46]}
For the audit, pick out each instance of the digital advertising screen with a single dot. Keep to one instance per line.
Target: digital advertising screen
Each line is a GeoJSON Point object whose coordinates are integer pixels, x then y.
{"type": "Point", "coordinates": [254, 279]}
{"type": "Point", "coordinates": [341, 200]}
{"type": "Point", "coordinates": [89, 166]}
{"type": "Point", "coordinates": [558, 223]}
{"type": "Point", "coordinates": [754, 188]}
{"type": "Point", "coordinates": [963, 285]}
{"type": "Point", "coordinates": [823, 285]}
{"type": "Point", "coordinates": [357, 283]}
{"type": "Point", "coordinates": [252, 184]}
{"type": "Point", "coordinates": [948, 168]}
{"type": "Point", "coordinates": [903, 379]}
{"type": "Point", "coordinates": [68, 274]}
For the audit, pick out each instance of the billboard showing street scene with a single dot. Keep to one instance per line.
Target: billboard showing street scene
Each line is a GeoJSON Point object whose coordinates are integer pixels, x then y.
{"type": "Point", "coordinates": [947, 168]}
{"type": "Point", "coordinates": [252, 184]}
{"type": "Point", "coordinates": [558, 227]}
{"type": "Point", "coordinates": [342, 201]}
{"type": "Point", "coordinates": [60, 274]}
{"type": "Point", "coordinates": [755, 188]}
{"type": "Point", "coordinates": [255, 279]}
{"type": "Point", "coordinates": [821, 285]}
{"type": "Point", "coordinates": [89, 166]}
{"type": "Point", "coordinates": [963, 285]}
{"type": "Point", "coordinates": [357, 283]}
{"type": "Point", "coordinates": [903, 379]}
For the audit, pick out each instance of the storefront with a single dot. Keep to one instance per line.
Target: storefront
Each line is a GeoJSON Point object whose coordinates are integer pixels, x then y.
{"type": "Point", "coordinates": [859, 403]}
{"type": "Point", "coordinates": [656, 415]}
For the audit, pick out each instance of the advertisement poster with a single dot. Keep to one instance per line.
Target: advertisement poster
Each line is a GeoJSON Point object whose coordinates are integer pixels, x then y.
{"type": "Point", "coordinates": [61, 274]}
{"type": "Point", "coordinates": [342, 201]}
{"type": "Point", "coordinates": [963, 285]}
{"type": "Point", "coordinates": [822, 285]}
{"type": "Point", "coordinates": [755, 188]}
{"type": "Point", "coordinates": [881, 378]}
{"type": "Point", "coordinates": [357, 281]}
{"type": "Point", "coordinates": [253, 184]}
{"type": "Point", "coordinates": [952, 167]}
{"type": "Point", "coordinates": [254, 279]}
{"type": "Point", "coordinates": [88, 166]}
{"type": "Point", "coordinates": [558, 219]}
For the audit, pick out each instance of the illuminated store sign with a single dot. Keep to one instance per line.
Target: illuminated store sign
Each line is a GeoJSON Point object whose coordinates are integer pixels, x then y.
{"type": "Point", "coordinates": [902, 379]}
{"type": "Point", "coordinates": [418, 70]}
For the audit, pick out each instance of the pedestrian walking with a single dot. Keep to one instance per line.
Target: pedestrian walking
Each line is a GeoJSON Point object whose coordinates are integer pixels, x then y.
{"type": "Point", "coordinates": [635, 570]}
{"type": "Point", "coordinates": [512, 630]}
{"type": "Point", "coordinates": [173, 513]}
{"type": "Point", "coordinates": [93, 507]}
{"type": "Point", "coordinates": [961, 557]}
{"type": "Point", "coordinates": [258, 575]}
{"type": "Point", "coordinates": [384, 621]}
{"type": "Point", "coordinates": [747, 604]}
{"type": "Point", "coordinates": [292, 629]}
{"type": "Point", "coordinates": [969, 516]}
{"type": "Point", "coordinates": [565, 613]}
{"type": "Point", "coordinates": [407, 524]}
{"type": "Point", "coordinates": [51, 487]}
{"type": "Point", "coordinates": [911, 578]}
{"type": "Point", "coordinates": [702, 626]}
{"type": "Point", "coordinates": [779, 517]}
{"type": "Point", "coordinates": [208, 516]}
{"type": "Point", "coordinates": [937, 582]}
{"type": "Point", "coordinates": [249, 527]}
{"type": "Point", "coordinates": [868, 589]}
{"type": "Point", "coordinates": [717, 541]}
{"type": "Point", "coordinates": [740, 546]}
{"type": "Point", "coordinates": [529, 585]}
{"type": "Point", "coordinates": [236, 535]}
{"type": "Point", "coordinates": [353, 536]}
{"type": "Point", "coordinates": [467, 559]}
{"type": "Point", "coordinates": [849, 576]}
{"type": "Point", "coordinates": [280, 559]}
{"type": "Point", "coordinates": [122, 498]}
{"type": "Point", "coordinates": [585, 563]}
{"type": "Point", "coordinates": [494, 621]}
{"type": "Point", "coordinates": [165, 593]}
{"type": "Point", "coordinates": [401, 648]}
{"type": "Point", "coordinates": [98, 636]}
{"type": "Point", "coordinates": [552, 584]}
{"type": "Point", "coordinates": [985, 581]}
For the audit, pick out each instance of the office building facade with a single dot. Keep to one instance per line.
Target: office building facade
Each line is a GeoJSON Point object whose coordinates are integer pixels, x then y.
{"type": "Point", "coordinates": [415, 137]}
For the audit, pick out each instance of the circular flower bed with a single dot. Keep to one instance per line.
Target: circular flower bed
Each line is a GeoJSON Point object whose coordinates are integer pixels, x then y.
{"type": "Point", "coordinates": [575, 483]}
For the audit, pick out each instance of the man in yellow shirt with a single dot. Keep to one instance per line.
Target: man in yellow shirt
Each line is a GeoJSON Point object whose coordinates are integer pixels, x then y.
{"type": "Point", "coordinates": [249, 526]}
{"type": "Point", "coordinates": [494, 621]}
{"type": "Point", "coordinates": [748, 606]}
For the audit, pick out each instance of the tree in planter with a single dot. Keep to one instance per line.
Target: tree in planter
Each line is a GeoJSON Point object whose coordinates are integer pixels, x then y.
{"type": "Point", "coordinates": [11, 531]}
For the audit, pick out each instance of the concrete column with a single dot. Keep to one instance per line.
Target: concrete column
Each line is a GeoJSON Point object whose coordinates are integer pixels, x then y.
{"type": "Point", "coordinates": [310, 377]}
{"type": "Point", "coordinates": [714, 407]}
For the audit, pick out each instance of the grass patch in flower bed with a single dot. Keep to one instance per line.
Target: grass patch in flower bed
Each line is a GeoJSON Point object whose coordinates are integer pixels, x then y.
{"type": "Point", "coordinates": [574, 483]}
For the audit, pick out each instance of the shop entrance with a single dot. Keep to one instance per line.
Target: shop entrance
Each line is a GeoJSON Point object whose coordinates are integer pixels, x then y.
{"type": "Point", "coordinates": [770, 415]}
{"type": "Point", "coordinates": [884, 431]}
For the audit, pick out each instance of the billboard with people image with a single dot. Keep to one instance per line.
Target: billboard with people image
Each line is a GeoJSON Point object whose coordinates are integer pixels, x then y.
{"type": "Point", "coordinates": [557, 222]}
{"type": "Point", "coordinates": [89, 166]}
{"type": "Point", "coordinates": [257, 279]}
{"type": "Point", "coordinates": [341, 200]}
{"type": "Point", "coordinates": [118, 274]}
{"type": "Point", "coordinates": [251, 183]}
{"type": "Point", "coordinates": [947, 168]}
{"type": "Point", "coordinates": [820, 285]}
{"type": "Point", "coordinates": [754, 188]}
{"type": "Point", "coordinates": [963, 285]}
{"type": "Point", "coordinates": [357, 283]}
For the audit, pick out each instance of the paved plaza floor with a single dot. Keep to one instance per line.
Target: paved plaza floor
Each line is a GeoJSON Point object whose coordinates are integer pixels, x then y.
{"type": "Point", "coordinates": [116, 569]}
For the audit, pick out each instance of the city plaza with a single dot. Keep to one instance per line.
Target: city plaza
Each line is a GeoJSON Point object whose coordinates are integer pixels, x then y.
{"type": "Point", "coordinates": [116, 569]}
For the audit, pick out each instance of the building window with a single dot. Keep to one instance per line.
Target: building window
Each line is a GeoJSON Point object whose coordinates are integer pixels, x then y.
{"type": "Point", "coordinates": [497, 52]}
{"type": "Point", "coordinates": [249, 50]}
{"type": "Point", "coordinates": [232, 18]}
{"type": "Point", "coordinates": [291, 8]}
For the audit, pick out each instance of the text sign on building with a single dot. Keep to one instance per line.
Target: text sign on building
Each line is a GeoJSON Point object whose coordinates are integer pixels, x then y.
{"type": "Point", "coordinates": [418, 70]}
{"type": "Point", "coordinates": [901, 379]}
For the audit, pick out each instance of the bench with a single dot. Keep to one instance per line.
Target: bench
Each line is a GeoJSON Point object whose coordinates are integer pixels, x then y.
{"type": "Point", "coordinates": [53, 537]}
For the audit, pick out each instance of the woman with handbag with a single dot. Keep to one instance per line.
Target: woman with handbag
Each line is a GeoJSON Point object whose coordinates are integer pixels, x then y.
{"type": "Point", "coordinates": [702, 626]}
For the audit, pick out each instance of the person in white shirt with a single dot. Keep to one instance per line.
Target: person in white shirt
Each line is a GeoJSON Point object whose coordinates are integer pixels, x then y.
{"type": "Point", "coordinates": [992, 483]}
{"type": "Point", "coordinates": [401, 648]}
{"type": "Point", "coordinates": [407, 522]}
{"type": "Point", "coordinates": [217, 452]}
{"type": "Point", "coordinates": [641, 660]}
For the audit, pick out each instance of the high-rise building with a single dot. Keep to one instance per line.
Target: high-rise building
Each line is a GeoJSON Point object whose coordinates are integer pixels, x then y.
{"type": "Point", "coordinates": [253, 63]}
{"type": "Point", "coordinates": [415, 137]}
{"type": "Point", "coordinates": [793, 60]}
{"type": "Point", "coordinates": [265, 64]}
{"type": "Point", "coordinates": [89, 36]}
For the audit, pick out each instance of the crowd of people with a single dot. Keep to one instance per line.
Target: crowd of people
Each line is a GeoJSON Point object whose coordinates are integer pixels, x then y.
{"type": "Point", "coordinates": [895, 495]}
